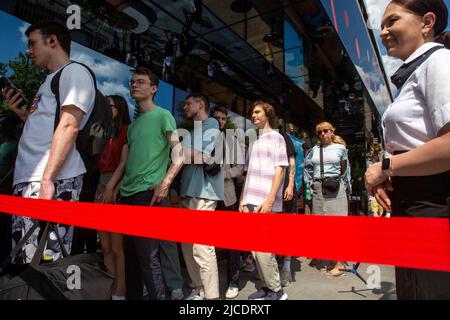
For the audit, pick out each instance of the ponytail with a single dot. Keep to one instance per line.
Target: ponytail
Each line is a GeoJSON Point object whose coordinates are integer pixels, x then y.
{"type": "Point", "coordinates": [444, 38]}
{"type": "Point", "coordinates": [338, 140]}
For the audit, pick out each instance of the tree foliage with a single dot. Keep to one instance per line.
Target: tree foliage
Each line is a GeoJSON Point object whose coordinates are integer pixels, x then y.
{"type": "Point", "coordinates": [24, 75]}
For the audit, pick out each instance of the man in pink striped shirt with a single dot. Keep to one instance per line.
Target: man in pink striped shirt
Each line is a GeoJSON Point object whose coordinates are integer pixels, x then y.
{"type": "Point", "coordinates": [263, 191]}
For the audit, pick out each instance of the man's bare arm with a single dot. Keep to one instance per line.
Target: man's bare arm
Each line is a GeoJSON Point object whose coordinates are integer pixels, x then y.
{"type": "Point", "coordinates": [62, 144]}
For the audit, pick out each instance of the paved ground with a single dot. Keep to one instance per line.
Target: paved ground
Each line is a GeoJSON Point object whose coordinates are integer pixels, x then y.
{"type": "Point", "coordinates": [309, 283]}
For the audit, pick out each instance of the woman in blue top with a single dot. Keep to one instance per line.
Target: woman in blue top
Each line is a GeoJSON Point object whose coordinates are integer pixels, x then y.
{"type": "Point", "coordinates": [328, 190]}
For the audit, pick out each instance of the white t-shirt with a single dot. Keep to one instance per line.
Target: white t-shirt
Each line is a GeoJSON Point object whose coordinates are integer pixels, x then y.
{"type": "Point", "coordinates": [76, 87]}
{"type": "Point", "coordinates": [422, 106]}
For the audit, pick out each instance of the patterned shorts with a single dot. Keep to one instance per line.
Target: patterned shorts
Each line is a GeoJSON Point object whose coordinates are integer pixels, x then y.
{"type": "Point", "coordinates": [65, 190]}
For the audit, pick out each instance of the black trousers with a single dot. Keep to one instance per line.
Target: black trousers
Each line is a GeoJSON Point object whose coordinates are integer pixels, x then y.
{"type": "Point", "coordinates": [424, 197]}
{"type": "Point", "coordinates": [82, 237]}
{"type": "Point", "coordinates": [5, 235]}
{"type": "Point", "coordinates": [142, 264]}
{"type": "Point", "coordinates": [234, 257]}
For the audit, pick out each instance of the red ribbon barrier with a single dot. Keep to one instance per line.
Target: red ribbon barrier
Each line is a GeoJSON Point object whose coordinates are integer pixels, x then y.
{"type": "Point", "coordinates": [422, 243]}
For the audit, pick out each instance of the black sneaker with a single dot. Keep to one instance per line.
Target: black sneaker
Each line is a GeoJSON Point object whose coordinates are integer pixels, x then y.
{"type": "Point", "coordinates": [280, 295]}
{"type": "Point", "coordinates": [260, 294]}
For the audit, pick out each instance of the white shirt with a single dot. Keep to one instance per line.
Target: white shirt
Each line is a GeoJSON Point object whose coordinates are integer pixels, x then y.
{"type": "Point", "coordinates": [76, 87]}
{"type": "Point", "coordinates": [422, 106]}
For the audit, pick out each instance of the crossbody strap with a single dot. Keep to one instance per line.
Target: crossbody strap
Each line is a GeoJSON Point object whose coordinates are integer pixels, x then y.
{"type": "Point", "coordinates": [321, 162]}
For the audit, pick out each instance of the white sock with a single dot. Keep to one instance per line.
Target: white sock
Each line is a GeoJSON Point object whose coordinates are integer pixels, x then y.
{"type": "Point", "coordinates": [114, 297]}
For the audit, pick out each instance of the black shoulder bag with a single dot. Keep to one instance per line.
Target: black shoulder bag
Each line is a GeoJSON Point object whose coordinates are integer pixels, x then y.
{"type": "Point", "coordinates": [329, 184]}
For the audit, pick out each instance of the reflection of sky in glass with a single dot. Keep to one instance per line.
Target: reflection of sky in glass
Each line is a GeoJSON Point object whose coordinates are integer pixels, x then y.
{"type": "Point", "coordinates": [375, 10]}
{"type": "Point", "coordinates": [112, 76]}
{"type": "Point", "coordinates": [293, 59]}
{"type": "Point", "coordinates": [164, 96]}
{"type": "Point", "coordinates": [179, 98]}
{"type": "Point", "coordinates": [349, 23]}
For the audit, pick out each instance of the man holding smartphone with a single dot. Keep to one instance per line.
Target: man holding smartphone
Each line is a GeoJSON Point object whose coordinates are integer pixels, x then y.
{"type": "Point", "coordinates": [48, 166]}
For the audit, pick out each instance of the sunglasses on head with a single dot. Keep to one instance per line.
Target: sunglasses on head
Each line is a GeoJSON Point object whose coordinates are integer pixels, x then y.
{"type": "Point", "coordinates": [325, 131]}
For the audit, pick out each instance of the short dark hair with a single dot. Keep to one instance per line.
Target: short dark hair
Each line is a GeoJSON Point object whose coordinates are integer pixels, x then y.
{"type": "Point", "coordinates": [146, 71]}
{"type": "Point", "coordinates": [48, 28]}
{"type": "Point", "coordinates": [422, 7]}
{"type": "Point", "coordinates": [219, 108]}
{"type": "Point", "coordinates": [201, 97]}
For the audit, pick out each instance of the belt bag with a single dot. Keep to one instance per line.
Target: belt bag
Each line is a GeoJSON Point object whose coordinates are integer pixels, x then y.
{"type": "Point", "coordinates": [330, 184]}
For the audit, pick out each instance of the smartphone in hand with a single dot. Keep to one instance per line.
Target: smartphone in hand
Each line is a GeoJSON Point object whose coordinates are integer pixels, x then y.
{"type": "Point", "coordinates": [5, 83]}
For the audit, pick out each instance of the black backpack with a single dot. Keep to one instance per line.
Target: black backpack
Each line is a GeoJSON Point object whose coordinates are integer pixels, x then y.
{"type": "Point", "coordinates": [92, 139]}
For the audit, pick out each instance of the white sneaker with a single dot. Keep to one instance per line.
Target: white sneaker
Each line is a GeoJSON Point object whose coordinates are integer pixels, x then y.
{"type": "Point", "coordinates": [114, 297]}
{"type": "Point", "coordinates": [176, 294]}
{"type": "Point", "coordinates": [232, 291]}
{"type": "Point", "coordinates": [196, 295]}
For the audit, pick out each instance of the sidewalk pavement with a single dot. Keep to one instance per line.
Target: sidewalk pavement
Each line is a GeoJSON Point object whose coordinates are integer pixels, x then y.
{"type": "Point", "coordinates": [309, 283]}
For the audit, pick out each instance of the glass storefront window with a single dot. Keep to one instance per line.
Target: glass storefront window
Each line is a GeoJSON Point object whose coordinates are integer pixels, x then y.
{"type": "Point", "coordinates": [293, 56]}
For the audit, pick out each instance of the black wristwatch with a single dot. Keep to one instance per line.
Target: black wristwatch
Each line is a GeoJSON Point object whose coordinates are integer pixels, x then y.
{"type": "Point", "coordinates": [386, 166]}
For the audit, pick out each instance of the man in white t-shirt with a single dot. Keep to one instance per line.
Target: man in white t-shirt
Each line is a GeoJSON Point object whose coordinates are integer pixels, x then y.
{"type": "Point", "coordinates": [48, 166]}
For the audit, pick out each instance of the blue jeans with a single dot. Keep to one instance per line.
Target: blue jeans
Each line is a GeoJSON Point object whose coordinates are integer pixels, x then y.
{"type": "Point", "coordinates": [142, 264]}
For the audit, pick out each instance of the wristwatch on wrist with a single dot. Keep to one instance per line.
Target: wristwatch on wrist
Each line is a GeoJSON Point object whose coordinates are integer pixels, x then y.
{"type": "Point", "coordinates": [386, 166]}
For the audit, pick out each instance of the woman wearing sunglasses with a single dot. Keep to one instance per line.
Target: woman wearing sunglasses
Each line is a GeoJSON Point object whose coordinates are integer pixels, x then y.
{"type": "Point", "coordinates": [325, 170]}
{"type": "Point", "coordinates": [415, 180]}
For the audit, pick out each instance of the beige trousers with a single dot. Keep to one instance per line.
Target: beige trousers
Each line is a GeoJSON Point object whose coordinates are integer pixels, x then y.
{"type": "Point", "coordinates": [201, 261]}
{"type": "Point", "coordinates": [266, 263]}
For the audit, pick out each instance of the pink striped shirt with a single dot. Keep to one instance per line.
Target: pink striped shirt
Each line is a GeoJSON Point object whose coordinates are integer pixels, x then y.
{"type": "Point", "coordinates": [266, 153]}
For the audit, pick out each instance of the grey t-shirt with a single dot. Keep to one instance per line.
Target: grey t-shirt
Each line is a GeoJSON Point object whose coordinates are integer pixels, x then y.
{"type": "Point", "coordinates": [194, 182]}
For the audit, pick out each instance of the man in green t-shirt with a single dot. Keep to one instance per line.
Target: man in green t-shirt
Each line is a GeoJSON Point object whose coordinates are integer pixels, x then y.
{"type": "Point", "coordinates": [146, 183]}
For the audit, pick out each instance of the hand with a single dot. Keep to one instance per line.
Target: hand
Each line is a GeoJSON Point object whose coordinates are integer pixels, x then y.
{"type": "Point", "coordinates": [241, 206]}
{"type": "Point", "coordinates": [108, 195]}
{"type": "Point", "coordinates": [379, 192]}
{"type": "Point", "coordinates": [205, 158]}
{"type": "Point", "coordinates": [47, 190]}
{"type": "Point", "coordinates": [12, 100]}
{"type": "Point", "coordinates": [374, 176]}
{"type": "Point", "coordinates": [241, 179]}
{"type": "Point", "coordinates": [161, 190]}
{"type": "Point", "coordinates": [265, 207]}
{"type": "Point", "coordinates": [289, 193]}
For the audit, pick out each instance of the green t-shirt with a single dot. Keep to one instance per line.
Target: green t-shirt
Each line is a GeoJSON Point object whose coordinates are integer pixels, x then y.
{"type": "Point", "coordinates": [149, 152]}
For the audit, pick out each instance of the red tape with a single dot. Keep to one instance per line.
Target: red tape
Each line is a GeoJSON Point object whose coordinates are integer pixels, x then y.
{"type": "Point", "coordinates": [422, 243]}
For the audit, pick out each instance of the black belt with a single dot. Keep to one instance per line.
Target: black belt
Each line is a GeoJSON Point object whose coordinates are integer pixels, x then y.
{"type": "Point", "coordinates": [320, 179]}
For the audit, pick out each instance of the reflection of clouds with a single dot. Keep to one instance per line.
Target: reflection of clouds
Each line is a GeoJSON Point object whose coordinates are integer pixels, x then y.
{"type": "Point", "coordinates": [103, 67]}
{"type": "Point", "coordinates": [111, 88]}
{"type": "Point", "coordinates": [391, 64]}
{"type": "Point", "coordinates": [112, 76]}
{"type": "Point", "coordinates": [22, 30]}
{"type": "Point", "coordinates": [108, 88]}
{"type": "Point", "coordinates": [380, 97]}
{"type": "Point", "coordinates": [375, 10]}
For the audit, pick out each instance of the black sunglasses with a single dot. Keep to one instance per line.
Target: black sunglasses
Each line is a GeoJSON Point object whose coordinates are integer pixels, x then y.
{"type": "Point", "coordinates": [325, 131]}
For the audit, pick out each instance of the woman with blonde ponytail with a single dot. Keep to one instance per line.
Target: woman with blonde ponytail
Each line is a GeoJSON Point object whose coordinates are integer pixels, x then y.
{"type": "Point", "coordinates": [325, 175]}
